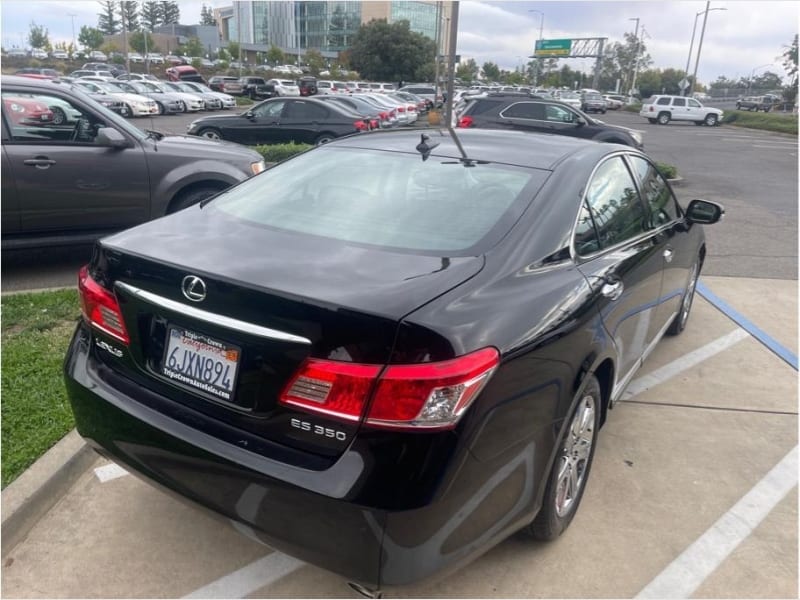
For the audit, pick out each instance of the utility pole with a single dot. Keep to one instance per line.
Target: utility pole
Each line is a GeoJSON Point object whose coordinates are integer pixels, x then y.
{"type": "Point", "coordinates": [436, 53]}
{"type": "Point", "coordinates": [537, 62]}
{"type": "Point", "coordinates": [636, 56]}
{"type": "Point", "coordinates": [700, 47]}
{"type": "Point", "coordinates": [125, 37]}
{"type": "Point", "coordinates": [74, 43]}
{"type": "Point", "coordinates": [451, 64]}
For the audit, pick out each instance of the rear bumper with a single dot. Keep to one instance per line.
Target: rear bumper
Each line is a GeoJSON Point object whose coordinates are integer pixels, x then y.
{"type": "Point", "coordinates": [444, 506]}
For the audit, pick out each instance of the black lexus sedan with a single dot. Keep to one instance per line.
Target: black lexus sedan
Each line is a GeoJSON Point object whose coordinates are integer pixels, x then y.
{"type": "Point", "coordinates": [281, 120]}
{"type": "Point", "coordinates": [387, 354]}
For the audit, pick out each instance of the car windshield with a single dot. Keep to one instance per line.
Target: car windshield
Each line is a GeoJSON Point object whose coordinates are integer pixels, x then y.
{"type": "Point", "coordinates": [184, 88]}
{"type": "Point", "coordinates": [143, 88]}
{"type": "Point", "coordinates": [112, 88]}
{"type": "Point", "coordinates": [386, 199]}
{"type": "Point", "coordinates": [286, 82]}
{"type": "Point", "coordinates": [569, 96]}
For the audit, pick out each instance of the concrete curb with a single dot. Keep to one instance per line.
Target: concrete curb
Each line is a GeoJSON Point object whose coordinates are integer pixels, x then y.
{"type": "Point", "coordinates": [41, 486]}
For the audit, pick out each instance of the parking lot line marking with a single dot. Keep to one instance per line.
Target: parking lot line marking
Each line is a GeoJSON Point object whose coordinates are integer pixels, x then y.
{"type": "Point", "coordinates": [263, 572]}
{"type": "Point", "coordinates": [109, 472]}
{"type": "Point", "coordinates": [688, 571]}
{"type": "Point", "coordinates": [787, 355]}
{"type": "Point", "coordinates": [687, 361]}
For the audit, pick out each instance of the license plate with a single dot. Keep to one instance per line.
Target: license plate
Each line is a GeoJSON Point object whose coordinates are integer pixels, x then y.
{"type": "Point", "coordinates": [201, 362]}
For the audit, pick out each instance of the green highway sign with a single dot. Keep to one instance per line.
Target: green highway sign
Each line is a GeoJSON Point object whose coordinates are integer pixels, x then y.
{"type": "Point", "coordinates": [552, 48]}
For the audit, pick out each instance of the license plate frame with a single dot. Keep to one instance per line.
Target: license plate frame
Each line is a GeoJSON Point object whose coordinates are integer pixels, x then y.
{"type": "Point", "coordinates": [199, 373]}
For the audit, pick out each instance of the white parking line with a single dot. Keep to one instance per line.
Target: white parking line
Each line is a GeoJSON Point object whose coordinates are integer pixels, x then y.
{"type": "Point", "coordinates": [248, 579]}
{"type": "Point", "coordinates": [109, 472]}
{"type": "Point", "coordinates": [659, 376]}
{"type": "Point", "coordinates": [687, 572]}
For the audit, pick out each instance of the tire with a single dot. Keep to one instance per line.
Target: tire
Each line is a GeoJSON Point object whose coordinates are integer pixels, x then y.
{"type": "Point", "coordinates": [653, 121]}
{"type": "Point", "coordinates": [738, 107]}
{"type": "Point", "coordinates": [182, 105]}
{"type": "Point", "coordinates": [161, 109]}
{"type": "Point", "coordinates": [210, 133]}
{"type": "Point", "coordinates": [59, 116]}
{"type": "Point", "coordinates": [699, 122]}
{"type": "Point", "coordinates": [664, 118]}
{"type": "Point", "coordinates": [570, 471]}
{"type": "Point", "coordinates": [711, 120]}
{"type": "Point", "coordinates": [191, 197]}
{"type": "Point", "coordinates": [324, 139]}
{"type": "Point", "coordinates": [126, 111]}
{"type": "Point", "coordinates": [679, 322]}
{"type": "Point", "coordinates": [603, 112]}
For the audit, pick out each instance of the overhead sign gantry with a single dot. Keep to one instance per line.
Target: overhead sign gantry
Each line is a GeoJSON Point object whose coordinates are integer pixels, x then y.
{"type": "Point", "coordinates": [573, 48]}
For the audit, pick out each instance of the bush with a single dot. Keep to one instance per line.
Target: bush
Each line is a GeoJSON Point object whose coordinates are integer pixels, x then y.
{"type": "Point", "coordinates": [668, 171]}
{"type": "Point", "coordinates": [781, 123]}
{"type": "Point", "coordinates": [278, 152]}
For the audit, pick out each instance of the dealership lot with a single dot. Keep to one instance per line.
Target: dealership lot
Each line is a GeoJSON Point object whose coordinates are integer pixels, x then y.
{"type": "Point", "coordinates": [673, 459]}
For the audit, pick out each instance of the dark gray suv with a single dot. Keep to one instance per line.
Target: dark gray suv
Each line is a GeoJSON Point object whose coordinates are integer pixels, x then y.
{"type": "Point", "coordinates": [94, 173]}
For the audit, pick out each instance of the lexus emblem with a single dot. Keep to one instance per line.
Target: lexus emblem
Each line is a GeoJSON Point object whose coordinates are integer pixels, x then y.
{"type": "Point", "coordinates": [193, 288]}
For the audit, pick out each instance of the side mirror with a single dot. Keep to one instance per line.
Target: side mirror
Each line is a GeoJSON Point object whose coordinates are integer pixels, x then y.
{"type": "Point", "coordinates": [704, 212]}
{"type": "Point", "coordinates": [250, 115]}
{"type": "Point", "coordinates": [108, 136]}
{"type": "Point", "coordinates": [580, 121]}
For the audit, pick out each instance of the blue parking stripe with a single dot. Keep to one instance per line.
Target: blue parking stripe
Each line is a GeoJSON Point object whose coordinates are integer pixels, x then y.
{"type": "Point", "coordinates": [787, 355]}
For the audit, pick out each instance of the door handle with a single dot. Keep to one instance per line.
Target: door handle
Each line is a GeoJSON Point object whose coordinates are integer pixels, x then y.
{"type": "Point", "coordinates": [668, 254]}
{"type": "Point", "coordinates": [612, 289]}
{"type": "Point", "coordinates": [40, 162]}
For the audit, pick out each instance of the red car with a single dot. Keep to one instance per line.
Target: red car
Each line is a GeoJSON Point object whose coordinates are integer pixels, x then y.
{"type": "Point", "coordinates": [27, 111]}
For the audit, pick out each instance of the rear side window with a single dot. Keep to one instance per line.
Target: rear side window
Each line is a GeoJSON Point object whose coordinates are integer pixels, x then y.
{"type": "Point", "coordinates": [663, 101]}
{"type": "Point", "coordinates": [305, 110]}
{"type": "Point", "coordinates": [387, 199]}
{"type": "Point", "coordinates": [525, 110]}
{"type": "Point", "coordinates": [616, 210]}
{"type": "Point", "coordinates": [478, 107]}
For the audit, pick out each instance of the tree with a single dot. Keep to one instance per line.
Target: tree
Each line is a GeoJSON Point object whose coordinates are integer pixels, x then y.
{"type": "Point", "coordinates": [315, 61]}
{"type": "Point", "coordinates": [207, 16]}
{"type": "Point", "coordinates": [136, 41]}
{"type": "Point", "coordinates": [491, 71]}
{"type": "Point", "coordinates": [790, 66]}
{"type": "Point", "coordinates": [38, 37]}
{"type": "Point", "coordinates": [107, 21]}
{"type": "Point", "coordinates": [468, 70]}
{"type": "Point", "coordinates": [151, 15]}
{"type": "Point", "coordinates": [129, 14]}
{"type": "Point", "coordinates": [192, 48]}
{"type": "Point", "coordinates": [233, 50]}
{"type": "Point", "coordinates": [90, 38]}
{"type": "Point", "coordinates": [170, 13]}
{"type": "Point", "coordinates": [389, 52]}
{"type": "Point", "coordinates": [649, 83]}
{"type": "Point", "coordinates": [275, 55]}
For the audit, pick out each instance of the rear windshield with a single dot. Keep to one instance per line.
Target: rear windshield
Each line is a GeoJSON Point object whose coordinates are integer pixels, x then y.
{"type": "Point", "coordinates": [387, 199]}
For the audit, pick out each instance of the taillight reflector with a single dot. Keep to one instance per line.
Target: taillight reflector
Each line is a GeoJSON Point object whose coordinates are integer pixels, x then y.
{"type": "Point", "coordinates": [465, 122]}
{"type": "Point", "coordinates": [100, 307]}
{"type": "Point", "coordinates": [416, 396]}
{"type": "Point", "coordinates": [361, 126]}
{"type": "Point", "coordinates": [401, 109]}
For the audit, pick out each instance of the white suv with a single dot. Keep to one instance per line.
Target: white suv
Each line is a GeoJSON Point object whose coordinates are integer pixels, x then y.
{"type": "Point", "coordinates": [663, 109]}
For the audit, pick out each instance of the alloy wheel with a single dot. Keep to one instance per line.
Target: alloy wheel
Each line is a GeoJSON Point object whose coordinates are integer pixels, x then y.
{"type": "Point", "coordinates": [574, 457]}
{"type": "Point", "coordinates": [688, 297]}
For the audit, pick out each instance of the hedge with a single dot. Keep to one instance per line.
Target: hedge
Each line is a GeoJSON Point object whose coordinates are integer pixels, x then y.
{"type": "Point", "coordinates": [277, 152]}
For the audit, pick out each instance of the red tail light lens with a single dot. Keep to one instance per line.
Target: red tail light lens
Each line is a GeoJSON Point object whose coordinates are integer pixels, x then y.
{"type": "Point", "coordinates": [417, 396]}
{"type": "Point", "coordinates": [336, 389]}
{"type": "Point", "coordinates": [465, 122]}
{"type": "Point", "coordinates": [652, 108]}
{"type": "Point", "coordinates": [401, 109]}
{"type": "Point", "coordinates": [375, 124]}
{"type": "Point", "coordinates": [384, 116]}
{"type": "Point", "coordinates": [100, 307]}
{"type": "Point", "coordinates": [361, 126]}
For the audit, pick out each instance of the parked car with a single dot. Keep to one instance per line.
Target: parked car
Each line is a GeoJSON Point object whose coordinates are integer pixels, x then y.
{"type": "Point", "coordinates": [326, 86]}
{"type": "Point", "coordinates": [592, 101]}
{"type": "Point", "coordinates": [571, 98]}
{"type": "Point", "coordinates": [758, 103]}
{"type": "Point", "coordinates": [23, 110]}
{"type": "Point", "coordinates": [285, 87]}
{"type": "Point", "coordinates": [135, 57]}
{"type": "Point", "coordinates": [280, 120]}
{"type": "Point", "coordinates": [59, 55]}
{"type": "Point", "coordinates": [137, 77]}
{"type": "Point", "coordinates": [498, 111]}
{"type": "Point", "coordinates": [397, 362]}
{"type": "Point", "coordinates": [663, 109]}
{"type": "Point", "coordinates": [134, 105]}
{"type": "Point", "coordinates": [109, 101]}
{"type": "Point", "coordinates": [256, 88]}
{"type": "Point", "coordinates": [97, 55]}
{"type": "Point", "coordinates": [63, 112]}
{"type": "Point", "coordinates": [17, 53]}
{"type": "Point", "coordinates": [211, 101]}
{"type": "Point", "coordinates": [184, 73]}
{"type": "Point", "coordinates": [226, 85]}
{"type": "Point", "coordinates": [387, 118]}
{"type": "Point", "coordinates": [99, 174]}
{"type": "Point", "coordinates": [226, 100]}
{"type": "Point", "coordinates": [168, 103]}
{"type": "Point", "coordinates": [38, 73]}
{"type": "Point", "coordinates": [191, 101]}
{"type": "Point", "coordinates": [427, 92]}
{"type": "Point", "coordinates": [307, 85]}
{"type": "Point", "coordinates": [106, 75]}
{"type": "Point", "coordinates": [614, 102]}
{"type": "Point", "coordinates": [155, 58]}
{"type": "Point", "coordinates": [115, 70]}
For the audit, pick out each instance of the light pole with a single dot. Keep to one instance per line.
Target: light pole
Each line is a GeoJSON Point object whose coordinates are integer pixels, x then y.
{"type": "Point", "coordinates": [538, 64]}
{"type": "Point", "coordinates": [691, 45]}
{"type": "Point", "coordinates": [72, 16]}
{"type": "Point", "coordinates": [635, 56]}
{"type": "Point", "coordinates": [700, 45]}
{"type": "Point", "coordinates": [752, 73]}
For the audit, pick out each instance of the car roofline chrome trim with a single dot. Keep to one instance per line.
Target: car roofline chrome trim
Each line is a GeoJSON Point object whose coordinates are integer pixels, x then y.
{"type": "Point", "coordinates": [213, 318]}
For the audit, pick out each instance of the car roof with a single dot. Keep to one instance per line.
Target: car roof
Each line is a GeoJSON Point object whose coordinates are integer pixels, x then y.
{"type": "Point", "coordinates": [526, 149]}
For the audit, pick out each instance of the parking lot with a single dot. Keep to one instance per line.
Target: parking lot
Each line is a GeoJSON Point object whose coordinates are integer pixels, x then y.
{"type": "Point", "coordinates": [693, 491]}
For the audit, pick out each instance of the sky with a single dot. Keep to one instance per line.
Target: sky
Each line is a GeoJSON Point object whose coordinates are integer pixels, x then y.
{"type": "Point", "coordinates": [747, 37]}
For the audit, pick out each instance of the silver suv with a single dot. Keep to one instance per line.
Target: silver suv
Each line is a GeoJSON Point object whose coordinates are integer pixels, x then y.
{"type": "Point", "coordinates": [663, 109]}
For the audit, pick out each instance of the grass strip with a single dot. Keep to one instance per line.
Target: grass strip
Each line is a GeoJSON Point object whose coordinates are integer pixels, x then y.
{"type": "Point", "coordinates": [36, 330]}
{"type": "Point", "coordinates": [779, 123]}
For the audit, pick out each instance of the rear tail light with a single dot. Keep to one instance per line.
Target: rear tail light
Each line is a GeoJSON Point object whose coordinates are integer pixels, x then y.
{"type": "Point", "coordinates": [384, 116]}
{"type": "Point", "coordinates": [375, 124]}
{"type": "Point", "coordinates": [465, 122]}
{"type": "Point", "coordinates": [652, 108]}
{"type": "Point", "coordinates": [361, 126]}
{"type": "Point", "coordinates": [401, 109]}
{"type": "Point", "coordinates": [100, 307]}
{"type": "Point", "coordinates": [411, 397]}
{"type": "Point", "coordinates": [412, 109]}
